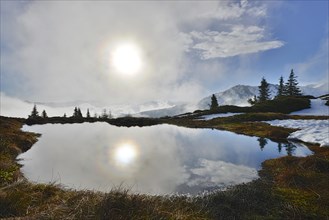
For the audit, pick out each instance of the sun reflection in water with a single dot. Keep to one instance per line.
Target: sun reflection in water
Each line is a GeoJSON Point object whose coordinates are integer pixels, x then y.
{"type": "Point", "coordinates": [125, 154]}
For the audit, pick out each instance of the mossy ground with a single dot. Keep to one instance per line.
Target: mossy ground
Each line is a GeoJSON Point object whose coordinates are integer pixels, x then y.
{"type": "Point", "coordinates": [288, 187]}
{"type": "Point", "coordinates": [302, 182]}
{"type": "Point", "coordinates": [248, 124]}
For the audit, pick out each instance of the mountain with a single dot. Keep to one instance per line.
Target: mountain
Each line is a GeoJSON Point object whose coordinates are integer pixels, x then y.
{"type": "Point", "coordinates": [175, 110]}
{"type": "Point", "coordinates": [316, 89]}
{"type": "Point", "coordinates": [14, 107]}
{"type": "Point", "coordinates": [238, 95]}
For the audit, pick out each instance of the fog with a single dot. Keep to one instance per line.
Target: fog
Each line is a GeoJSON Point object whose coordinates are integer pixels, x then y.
{"type": "Point", "coordinates": [59, 51]}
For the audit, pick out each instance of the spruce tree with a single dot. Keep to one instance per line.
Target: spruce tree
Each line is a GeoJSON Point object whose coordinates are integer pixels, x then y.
{"type": "Point", "coordinates": [290, 149]}
{"type": "Point", "coordinates": [279, 147]}
{"type": "Point", "coordinates": [34, 113]}
{"type": "Point", "coordinates": [281, 89]}
{"type": "Point", "coordinates": [291, 88]}
{"type": "Point", "coordinates": [88, 113]}
{"type": "Point", "coordinates": [104, 114]}
{"type": "Point", "coordinates": [252, 101]}
{"type": "Point", "coordinates": [262, 142]}
{"type": "Point", "coordinates": [79, 113]}
{"type": "Point", "coordinates": [75, 112]}
{"type": "Point", "coordinates": [44, 114]}
{"type": "Point", "coordinates": [214, 102]}
{"type": "Point", "coordinates": [264, 91]}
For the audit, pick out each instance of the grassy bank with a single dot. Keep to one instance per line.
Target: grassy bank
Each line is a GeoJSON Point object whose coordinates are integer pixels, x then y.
{"type": "Point", "coordinates": [248, 124]}
{"type": "Point", "coordinates": [288, 187]}
{"type": "Point", "coordinates": [20, 198]}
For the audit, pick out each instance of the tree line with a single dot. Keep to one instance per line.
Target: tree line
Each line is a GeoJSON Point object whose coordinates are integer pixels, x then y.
{"type": "Point", "coordinates": [290, 88]}
{"type": "Point", "coordinates": [77, 114]}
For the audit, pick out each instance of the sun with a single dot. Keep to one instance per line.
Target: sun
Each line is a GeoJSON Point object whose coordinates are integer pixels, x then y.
{"type": "Point", "coordinates": [126, 59]}
{"type": "Point", "coordinates": [125, 154]}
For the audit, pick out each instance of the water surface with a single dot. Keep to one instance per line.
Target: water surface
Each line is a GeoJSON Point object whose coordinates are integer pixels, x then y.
{"type": "Point", "coordinates": [160, 159]}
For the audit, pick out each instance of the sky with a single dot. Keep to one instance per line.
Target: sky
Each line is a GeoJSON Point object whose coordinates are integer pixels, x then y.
{"type": "Point", "coordinates": [63, 51]}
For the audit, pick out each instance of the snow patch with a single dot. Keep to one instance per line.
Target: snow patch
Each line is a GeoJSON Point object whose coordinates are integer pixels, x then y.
{"type": "Point", "coordinates": [221, 115]}
{"type": "Point", "coordinates": [311, 131]}
{"type": "Point", "coordinates": [318, 107]}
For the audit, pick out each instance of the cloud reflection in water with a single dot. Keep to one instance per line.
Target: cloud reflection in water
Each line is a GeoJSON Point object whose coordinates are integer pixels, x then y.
{"type": "Point", "coordinates": [160, 159]}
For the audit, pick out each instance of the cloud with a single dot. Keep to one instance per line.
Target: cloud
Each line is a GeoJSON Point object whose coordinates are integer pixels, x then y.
{"type": "Point", "coordinates": [14, 107]}
{"type": "Point", "coordinates": [58, 51]}
{"type": "Point", "coordinates": [231, 10]}
{"type": "Point", "coordinates": [220, 173]}
{"type": "Point", "coordinates": [237, 41]}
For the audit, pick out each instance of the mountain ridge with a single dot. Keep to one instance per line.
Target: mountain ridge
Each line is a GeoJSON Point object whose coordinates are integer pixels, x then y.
{"type": "Point", "coordinates": [239, 94]}
{"type": "Point", "coordinates": [236, 95]}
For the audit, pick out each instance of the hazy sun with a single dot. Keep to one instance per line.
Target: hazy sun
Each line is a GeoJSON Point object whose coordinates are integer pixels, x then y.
{"type": "Point", "coordinates": [125, 153]}
{"type": "Point", "coordinates": [126, 59]}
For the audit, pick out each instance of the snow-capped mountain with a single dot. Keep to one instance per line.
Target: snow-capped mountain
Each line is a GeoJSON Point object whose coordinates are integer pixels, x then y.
{"type": "Point", "coordinates": [316, 89]}
{"type": "Point", "coordinates": [239, 95]}
{"type": "Point", "coordinates": [236, 95]}
{"type": "Point", "coordinates": [177, 109]}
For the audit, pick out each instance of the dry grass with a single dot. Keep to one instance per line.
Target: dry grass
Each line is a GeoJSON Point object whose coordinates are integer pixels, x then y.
{"type": "Point", "coordinates": [302, 182]}
{"type": "Point", "coordinates": [289, 187]}
{"type": "Point", "coordinates": [22, 199]}
{"type": "Point", "coordinates": [248, 124]}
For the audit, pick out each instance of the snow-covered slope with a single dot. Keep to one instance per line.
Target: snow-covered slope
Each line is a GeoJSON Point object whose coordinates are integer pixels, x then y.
{"type": "Point", "coordinates": [177, 109]}
{"type": "Point", "coordinates": [318, 107]}
{"type": "Point", "coordinates": [316, 89]}
{"type": "Point", "coordinates": [239, 95]}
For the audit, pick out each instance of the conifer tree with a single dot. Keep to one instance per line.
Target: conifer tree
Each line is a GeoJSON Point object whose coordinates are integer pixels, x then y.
{"type": "Point", "coordinates": [34, 113]}
{"type": "Point", "coordinates": [75, 112]}
{"type": "Point", "coordinates": [88, 113]}
{"type": "Point", "coordinates": [264, 92]}
{"type": "Point", "coordinates": [279, 147]}
{"type": "Point", "coordinates": [291, 87]}
{"type": "Point", "coordinates": [252, 101]}
{"type": "Point", "coordinates": [64, 116]}
{"type": "Point", "coordinates": [290, 148]}
{"type": "Point", "coordinates": [281, 89]}
{"type": "Point", "coordinates": [214, 102]}
{"type": "Point", "coordinates": [104, 114]}
{"type": "Point", "coordinates": [262, 142]}
{"type": "Point", "coordinates": [44, 114]}
{"type": "Point", "coordinates": [79, 113]}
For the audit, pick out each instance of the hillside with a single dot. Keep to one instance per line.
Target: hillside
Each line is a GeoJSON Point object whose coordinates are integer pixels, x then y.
{"type": "Point", "coordinates": [238, 95]}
